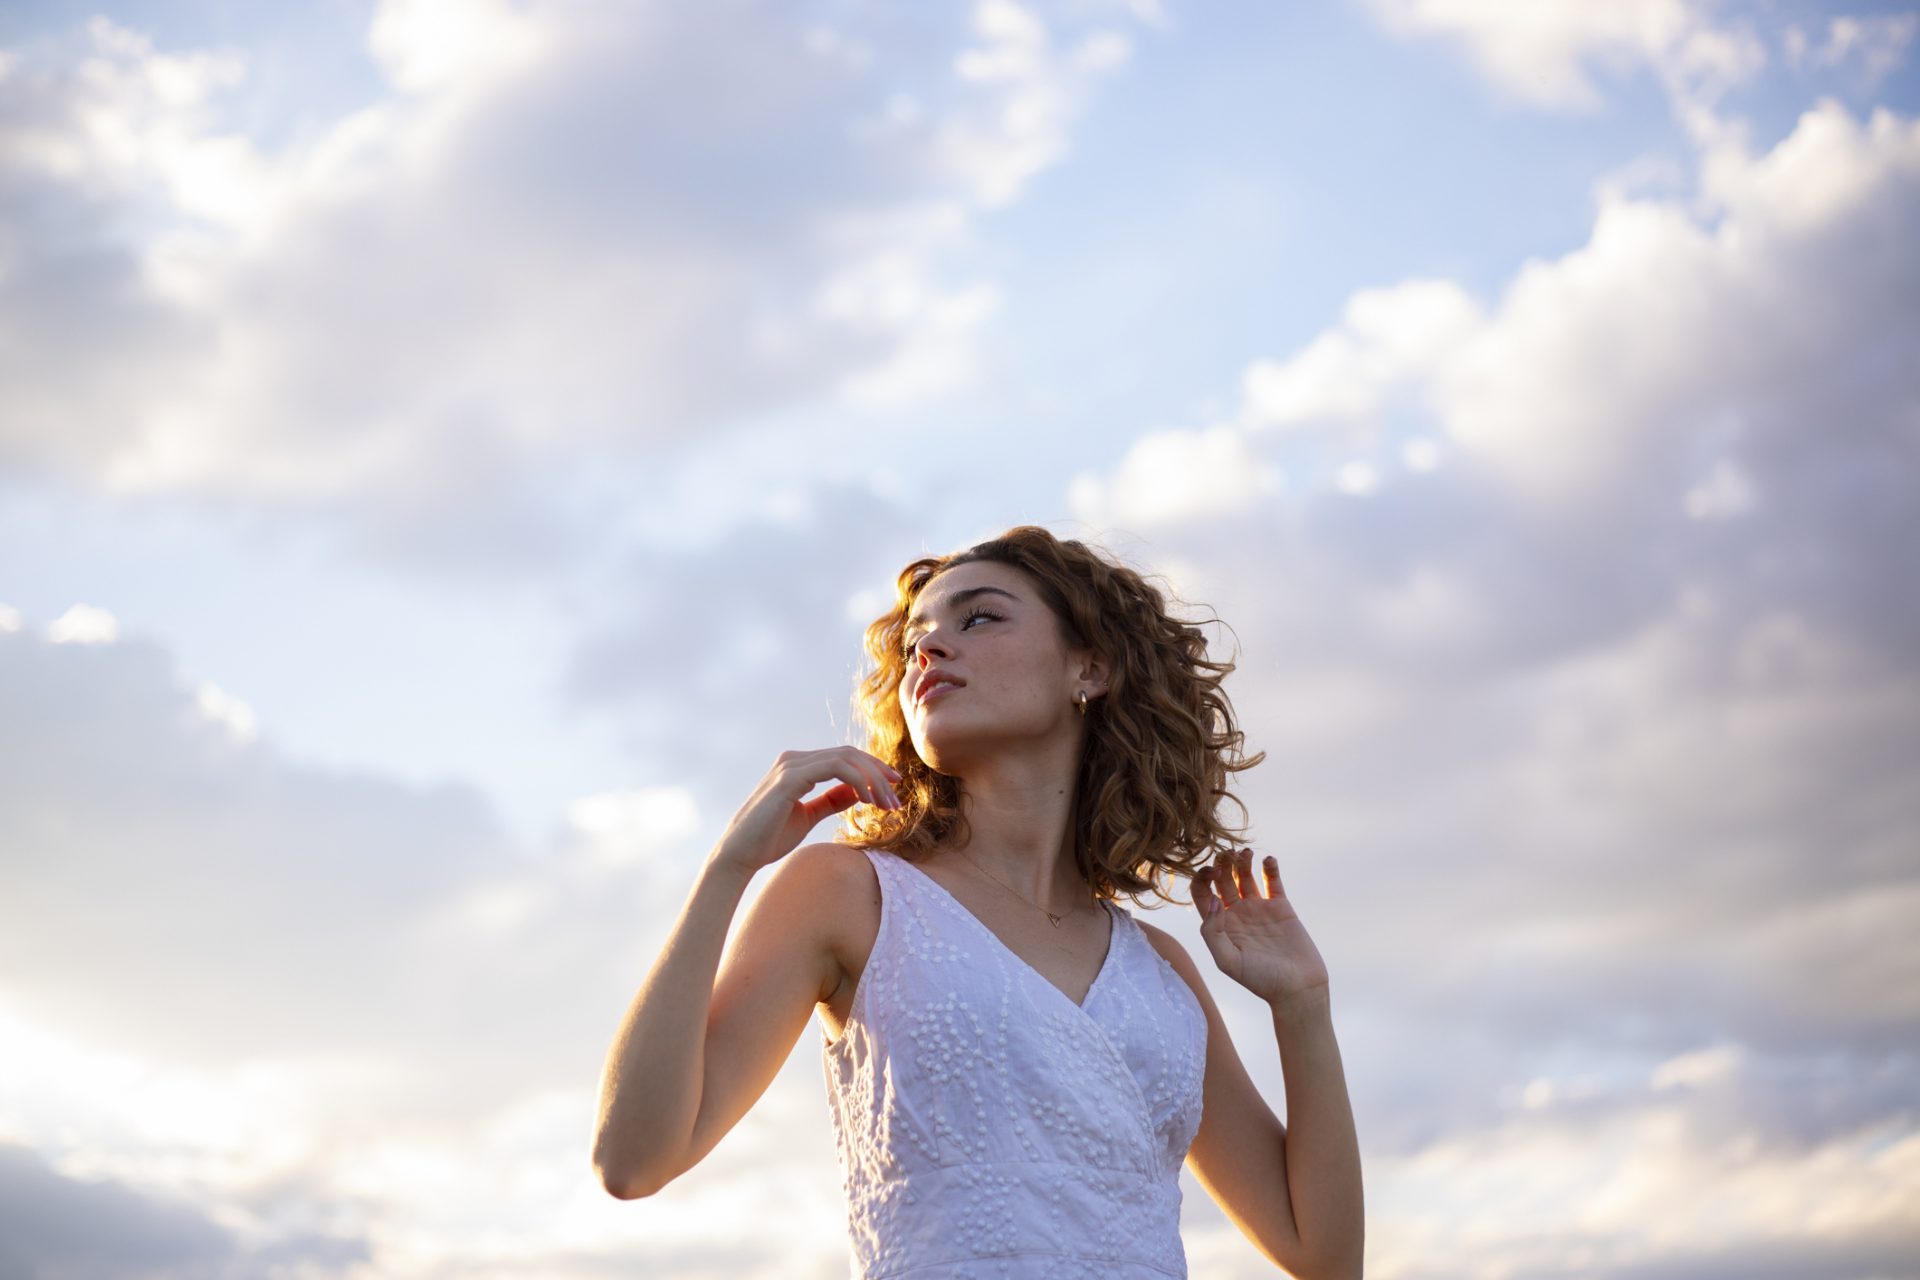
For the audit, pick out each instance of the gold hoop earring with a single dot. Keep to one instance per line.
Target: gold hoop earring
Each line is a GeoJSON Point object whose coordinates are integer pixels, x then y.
{"type": "Point", "coordinates": [1083, 704]}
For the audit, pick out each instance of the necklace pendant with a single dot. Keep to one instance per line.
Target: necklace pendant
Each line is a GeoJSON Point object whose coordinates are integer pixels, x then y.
{"type": "Point", "coordinates": [1052, 917]}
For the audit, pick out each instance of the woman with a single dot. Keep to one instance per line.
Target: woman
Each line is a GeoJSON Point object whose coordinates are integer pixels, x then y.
{"type": "Point", "coordinates": [1016, 1066]}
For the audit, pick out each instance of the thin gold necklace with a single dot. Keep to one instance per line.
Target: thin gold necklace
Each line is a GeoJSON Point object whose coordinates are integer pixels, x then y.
{"type": "Point", "coordinates": [1052, 918]}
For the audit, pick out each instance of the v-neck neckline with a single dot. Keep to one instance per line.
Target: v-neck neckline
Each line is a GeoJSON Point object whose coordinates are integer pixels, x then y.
{"type": "Point", "coordinates": [1106, 961]}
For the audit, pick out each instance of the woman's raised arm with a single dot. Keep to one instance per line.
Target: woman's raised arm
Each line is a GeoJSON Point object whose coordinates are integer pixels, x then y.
{"type": "Point", "coordinates": [665, 1101]}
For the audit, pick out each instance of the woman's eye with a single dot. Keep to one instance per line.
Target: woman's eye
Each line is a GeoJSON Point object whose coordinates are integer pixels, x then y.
{"type": "Point", "coordinates": [972, 616]}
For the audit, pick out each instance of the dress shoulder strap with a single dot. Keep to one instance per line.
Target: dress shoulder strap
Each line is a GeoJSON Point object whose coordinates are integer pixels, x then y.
{"type": "Point", "coordinates": [885, 865]}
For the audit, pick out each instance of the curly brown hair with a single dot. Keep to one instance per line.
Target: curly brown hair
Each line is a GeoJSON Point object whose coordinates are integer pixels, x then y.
{"type": "Point", "coordinates": [1158, 747]}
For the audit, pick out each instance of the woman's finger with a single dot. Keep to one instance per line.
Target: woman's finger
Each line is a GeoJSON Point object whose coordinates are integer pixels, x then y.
{"type": "Point", "coordinates": [879, 777]}
{"type": "Point", "coordinates": [832, 800]}
{"type": "Point", "coordinates": [1243, 874]}
{"type": "Point", "coordinates": [892, 774]}
{"type": "Point", "coordinates": [860, 771]}
{"type": "Point", "coordinates": [864, 784]}
{"type": "Point", "coordinates": [1204, 897]}
{"type": "Point", "coordinates": [870, 766]}
{"type": "Point", "coordinates": [1272, 868]}
{"type": "Point", "coordinates": [865, 789]}
{"type": "Point", "coordinates": [854, 786]}
{"type": "Point", "coordinates": [863, 774]}
{"type": "Point", "coordinates": [880, 793]}
{"type": "Point", "coordinates": [1223, 881]}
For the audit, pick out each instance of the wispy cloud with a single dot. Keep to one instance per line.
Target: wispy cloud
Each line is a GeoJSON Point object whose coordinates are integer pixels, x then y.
{"type": "Point", "coordinates": [562, 228]}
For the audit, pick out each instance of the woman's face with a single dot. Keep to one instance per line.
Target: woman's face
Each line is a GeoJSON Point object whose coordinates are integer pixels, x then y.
{"type": "Point", "coordinates": [984, 624]}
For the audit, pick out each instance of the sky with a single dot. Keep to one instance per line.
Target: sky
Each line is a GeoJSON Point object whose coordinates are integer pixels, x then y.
{"type": "Point", "coordinates": [448, 450]}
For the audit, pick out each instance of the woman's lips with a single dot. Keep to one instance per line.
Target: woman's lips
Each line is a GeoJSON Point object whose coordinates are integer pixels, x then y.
{"type": "Point", "coordinates": [944, 687]}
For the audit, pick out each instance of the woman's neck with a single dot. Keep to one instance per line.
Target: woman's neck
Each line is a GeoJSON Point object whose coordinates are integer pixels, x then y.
{"type": "Point", "coordinates": [1021, 833]}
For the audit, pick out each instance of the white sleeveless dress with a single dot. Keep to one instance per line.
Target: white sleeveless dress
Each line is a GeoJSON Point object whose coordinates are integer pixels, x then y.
{"type": "Point", "coordinates": [987, 1126]}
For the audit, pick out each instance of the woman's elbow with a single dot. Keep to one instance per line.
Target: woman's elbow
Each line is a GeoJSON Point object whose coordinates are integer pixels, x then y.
{"type": "Point", "coordinates": [622, 1183]}
{"type": "Point", "coordinates": [626, 1190]}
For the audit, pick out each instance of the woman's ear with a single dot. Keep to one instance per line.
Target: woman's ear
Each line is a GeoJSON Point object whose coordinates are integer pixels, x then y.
{"type": "Point", "coordinates": [1097, 670]}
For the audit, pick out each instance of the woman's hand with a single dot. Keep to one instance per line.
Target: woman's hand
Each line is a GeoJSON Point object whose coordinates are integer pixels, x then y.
{"type": "Point", "coordinates": [778, 815]}
{"type": "Point", "coordinates": [1257, 940]}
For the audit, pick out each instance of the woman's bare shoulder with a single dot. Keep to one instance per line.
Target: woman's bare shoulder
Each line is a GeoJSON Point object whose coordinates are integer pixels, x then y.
{"type": "Point", "coordinates": [838, 884]}
{"type": "Point", "coordinates": [839, 890]}
{"type": "Point", "coordinates": [832, 861]}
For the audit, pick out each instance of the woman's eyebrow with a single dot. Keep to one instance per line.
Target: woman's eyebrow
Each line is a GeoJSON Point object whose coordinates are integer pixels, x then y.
{"type": "Point", "coordinates": [957, 599]}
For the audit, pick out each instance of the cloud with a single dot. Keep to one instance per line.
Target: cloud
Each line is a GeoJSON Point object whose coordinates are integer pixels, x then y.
{"type": "Point", "coordinates": [706, 649]}
{"type": "Point", "coordinates": [1040, 90]}
{"type": "Point", "coordinates": [288, 996]}
{"type": "Point", "coordinates": [53, 1225]}
{"type": "Point", "coordinates": [1876, 42]}
{"type": "Point", "coordinates": [428, 46]}
{"type": "Point", "coordinates": [136, 817]}
{"type": "Point", "coordinates": [1177, 476]}
{"type": "Point", "coordinates": [1576, 620]}
{"type": "Point", "coordinates": [1728, 378]}
{"type": "Point", "coordinates": [92, 1228]}
{"type": "Point", "coordinates": [566, 233]}
{"type": "Point", "coordinates": [84, 624]}
{"type": "Point", "coordinates": [1570, 613]}
{"type": "Point", "coordinates": [621, 827]}
{"type": "Point", "coordinates": [332, 915]}
{"type": "Point", "coordinates": [1585, 847]}
{"type": "Point", "coordinates": [1387, 338]}
{"type": "Point", "coordinates": [1546, 54]}
{"type": "Point", "coordinates": [1725, 1209]}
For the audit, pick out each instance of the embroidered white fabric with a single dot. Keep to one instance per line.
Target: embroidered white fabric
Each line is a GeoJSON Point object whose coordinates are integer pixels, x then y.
{"type": "Point", "coordinates": [987, 1126]}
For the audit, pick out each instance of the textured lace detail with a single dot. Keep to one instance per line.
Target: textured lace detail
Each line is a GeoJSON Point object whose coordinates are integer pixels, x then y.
{"type": "Point", "coordinates": [986, 1125]}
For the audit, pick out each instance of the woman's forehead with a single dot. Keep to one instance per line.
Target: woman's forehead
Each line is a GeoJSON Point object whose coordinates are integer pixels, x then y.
{"type": "Point", "coordinates": [939, 590]}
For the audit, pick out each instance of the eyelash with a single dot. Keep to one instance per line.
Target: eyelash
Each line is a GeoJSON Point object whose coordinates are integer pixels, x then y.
{"type": "Point", "coordinates": [971, 614]}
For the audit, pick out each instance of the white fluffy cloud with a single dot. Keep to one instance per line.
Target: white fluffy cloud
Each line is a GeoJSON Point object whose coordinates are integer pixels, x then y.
{"type": "Point", "coordinates": [1681, 359]}
{"type": "Point", "coordinates": [1387, 338]}
{"type": "Point", "coordinates": [1038, 92]}
{"type": "Point", "coordinates": [84, 624]}
{"type": "Point", "coordinates": [566, 227]}
{"type": "Point", "coordinates": [1177, 476]}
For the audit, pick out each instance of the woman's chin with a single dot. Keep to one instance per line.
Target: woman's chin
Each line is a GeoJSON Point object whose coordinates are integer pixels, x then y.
{"type": "Point", "coordinates": [944, 752]}
{"type": "Point", "coordinates": [953, 747]}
